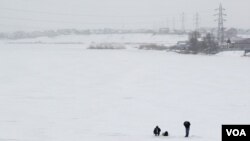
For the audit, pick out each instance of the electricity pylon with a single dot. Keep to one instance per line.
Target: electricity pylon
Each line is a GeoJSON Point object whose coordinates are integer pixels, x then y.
{"type": "Point", "coordinates": [196, 22]}
{"type": "Point", "coordinates": [220, 14]}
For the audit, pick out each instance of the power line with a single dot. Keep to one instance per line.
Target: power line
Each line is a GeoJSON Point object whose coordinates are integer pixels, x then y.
{"type": "Point", "coordinates": [95, 18]}
{"type": "Point", "coordinates": [84, 15]}
{"type": "Point", "coordinates": [22, 26]}
{"type": "Point", "coordinates": [50, 13]}
{"type": "Point", "coordinates": [79, 15]}
{"type": "Point", "coordinates": [68, 22]}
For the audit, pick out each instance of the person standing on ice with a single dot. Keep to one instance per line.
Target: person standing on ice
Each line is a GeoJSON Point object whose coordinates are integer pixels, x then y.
{"type": "Point", "coordinates": [187, 126]}
{"type": "Point", "coordinates": [157, 131]}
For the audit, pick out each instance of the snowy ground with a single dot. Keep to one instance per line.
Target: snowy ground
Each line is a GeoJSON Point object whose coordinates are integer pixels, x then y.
{"type": "Point", "coordinates": [69, 93]}
{"type": "Point", "coordinates": [136, 39]}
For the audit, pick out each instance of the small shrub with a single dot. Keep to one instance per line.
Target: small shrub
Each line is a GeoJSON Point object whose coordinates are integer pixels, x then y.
{"type": "Point", "coordinates": [107, 46]}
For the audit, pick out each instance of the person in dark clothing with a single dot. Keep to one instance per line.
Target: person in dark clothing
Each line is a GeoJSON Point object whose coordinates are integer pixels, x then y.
{"type": "Point", "coordinates": [157, 131]}
{"type": "Point", "coordinates": [187, 126]}
{"type": "Point", "coordinates": [165, 133]}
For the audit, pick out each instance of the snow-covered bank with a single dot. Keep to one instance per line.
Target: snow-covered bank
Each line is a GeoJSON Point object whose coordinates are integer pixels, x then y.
{"type": "Point", "coordinates": [231, 53]}
{"type": "Point", "coordinates": [65, 92]}
{"type": "Point", "coordinates": [102, 38]}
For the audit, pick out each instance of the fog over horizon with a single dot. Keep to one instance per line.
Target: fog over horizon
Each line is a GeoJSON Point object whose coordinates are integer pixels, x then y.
{"type": "Point", "coordinates": [32, 15]}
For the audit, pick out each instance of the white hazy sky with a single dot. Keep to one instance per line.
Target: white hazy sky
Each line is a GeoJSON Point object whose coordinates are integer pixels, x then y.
{"type": "Point", "coordinates": [55, 14]}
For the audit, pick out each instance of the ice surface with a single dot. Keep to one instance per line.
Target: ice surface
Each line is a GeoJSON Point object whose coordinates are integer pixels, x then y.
{"type": "Point", "coordinates": [69, 93]}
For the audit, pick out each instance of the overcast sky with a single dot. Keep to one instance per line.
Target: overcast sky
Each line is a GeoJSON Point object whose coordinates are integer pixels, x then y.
{"type": "Point", "coordinates": [55, 14]}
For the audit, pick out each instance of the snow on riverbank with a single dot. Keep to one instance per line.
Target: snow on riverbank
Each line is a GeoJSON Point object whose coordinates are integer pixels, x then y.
{"type": "Point", "coordinates": [103, 38]}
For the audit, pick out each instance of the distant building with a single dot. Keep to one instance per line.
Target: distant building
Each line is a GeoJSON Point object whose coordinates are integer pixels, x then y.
{"type": "Point", "coordinates": [182, 45]}
{"type": "Point", "coordinates": [236, 39]}
{"type": "Point", "coordinates": [163, 31]}
{"type": "Point", "coordinates": [242, 44]}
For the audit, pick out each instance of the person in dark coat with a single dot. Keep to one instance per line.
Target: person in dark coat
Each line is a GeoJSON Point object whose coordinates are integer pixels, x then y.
{"type": "Point", "coordinates": [187, 126]}
{"type": "Point", "coordinates": [157, 131]}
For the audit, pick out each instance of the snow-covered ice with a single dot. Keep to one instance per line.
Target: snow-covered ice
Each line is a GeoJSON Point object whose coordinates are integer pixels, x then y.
{"type": "Point", "coordinates": [68, 93]}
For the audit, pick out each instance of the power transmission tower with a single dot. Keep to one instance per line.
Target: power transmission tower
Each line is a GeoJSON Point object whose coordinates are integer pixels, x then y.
{"type": "Point", "coordinates": [167, 23]}
{"type": "Point", "coordinates": [196, 22]}
{"type": "Point", "coordinates": [220, 14]}
{"type": "Point", "coordinates": [183, 22]}
{"type": "Point", "coordinates": [173, 24]}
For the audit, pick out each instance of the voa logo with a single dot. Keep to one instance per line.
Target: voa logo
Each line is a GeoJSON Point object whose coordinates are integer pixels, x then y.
{"type": "Point", "coordinates": [236, 132]}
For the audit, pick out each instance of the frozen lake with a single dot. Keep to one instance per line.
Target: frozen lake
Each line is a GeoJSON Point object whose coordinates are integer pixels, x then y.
{"type": "Point", "coordinates": [66, 92]}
